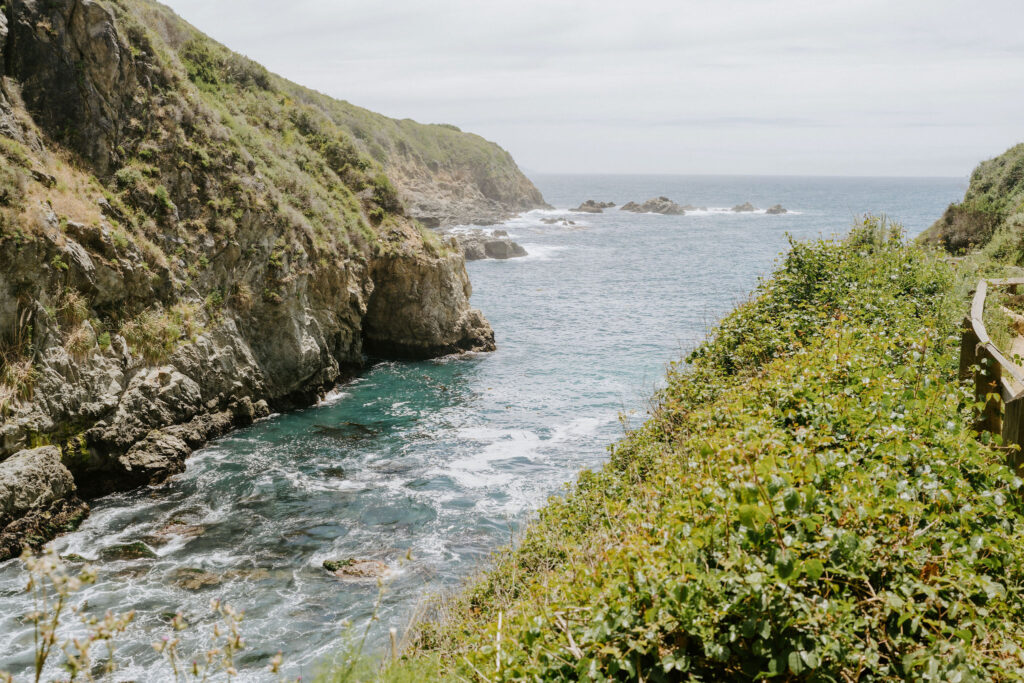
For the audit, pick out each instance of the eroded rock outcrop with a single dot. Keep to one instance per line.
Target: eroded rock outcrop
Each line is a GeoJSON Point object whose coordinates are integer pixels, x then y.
{"type": "Point", "coordinates": [745, 207]}
{"type": "Point", "coordinates": [592, 206]}
{"type": "Point", "coordinates": [662, 205]}
{"type": "Point", "coordinates": [477, 245]}
{"type": "Point", "coordinates": [206, 258]}
{"type": "Point", "coordinates": [37, 499]}
{"type": "Point", "coordinates": [776, 210]}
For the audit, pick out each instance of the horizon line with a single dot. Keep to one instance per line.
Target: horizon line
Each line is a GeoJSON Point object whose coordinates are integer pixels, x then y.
{"type": "Point", "coordinates": [746, 175]}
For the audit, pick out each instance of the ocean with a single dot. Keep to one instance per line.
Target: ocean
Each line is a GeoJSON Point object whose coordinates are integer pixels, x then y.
{"type": "Point", "coordinates": [431, 466]}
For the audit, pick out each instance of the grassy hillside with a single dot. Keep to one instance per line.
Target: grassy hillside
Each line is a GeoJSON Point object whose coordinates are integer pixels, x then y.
{"type": "Point", "coordinates": [992, 208]}
{"type": "Point", "coordinates": [439, 171]}
{"type": "Point", "coordinates": [807, 501]}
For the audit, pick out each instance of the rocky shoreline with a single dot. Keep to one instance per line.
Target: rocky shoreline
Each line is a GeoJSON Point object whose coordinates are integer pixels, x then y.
{"type": "Point", "coordinates": [185, 277]}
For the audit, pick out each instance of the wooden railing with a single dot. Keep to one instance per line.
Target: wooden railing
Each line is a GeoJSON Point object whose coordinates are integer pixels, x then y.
{"type": "Point", "coordinates": [999, 381]}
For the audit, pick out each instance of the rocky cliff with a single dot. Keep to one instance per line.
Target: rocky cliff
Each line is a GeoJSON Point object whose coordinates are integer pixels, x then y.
{"type": "Point", "coordinates": [444, 176]}
{"type": "Point", "coordinates": [188, 241]}
{"type": "Point", "coordinates": [994, 203]}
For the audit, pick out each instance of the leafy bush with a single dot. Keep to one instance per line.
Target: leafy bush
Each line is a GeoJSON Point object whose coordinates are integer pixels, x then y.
{"type": "Point", "coordinates": [994, 199]}
{"type": "Point", "coordinates": [163, 200]}
{"type": "Point", "coordinates": [806, 501]}
{"type": "Point", "coordinates": [964, 227]}
{"type": "Point", "coordinates": [385, 195]}
{"type": "Point", "coordinates": [129, 178]}
{"type": "Point", "coordinates": [201, 61]}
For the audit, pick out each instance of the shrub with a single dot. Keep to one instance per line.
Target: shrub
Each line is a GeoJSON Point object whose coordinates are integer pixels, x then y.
{"type": "Point", "coordinates": [201, 62]}
{"type": "Point", "coordinates": [72, 308]}
{"type": "Point", "coordinates": [963, 227]}
{"type": "Point", "coordinates": [129, 179]}
{"type": "Point", "coordinates": [17, 372]}
{"type": "Point", "coordinates": [163, 200]}
{"type": "Point", "coordinates": [154, 333]}
{"type": "Point", "coordinates": [385, 195]}
{"type": "Point", "coordinates": [79, 342]}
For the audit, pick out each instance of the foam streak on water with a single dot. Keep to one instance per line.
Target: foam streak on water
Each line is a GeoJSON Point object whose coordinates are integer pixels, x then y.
{"type": "Point", "coordinates": [441, 460]}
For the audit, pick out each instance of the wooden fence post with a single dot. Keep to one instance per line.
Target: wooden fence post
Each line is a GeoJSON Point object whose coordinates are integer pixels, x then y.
{"type": "Point", "coordinates": [987, 388]}
{"type": "Point", "coordinates": [1013, 431]}
{"type": "Point", "coordinates": [968, 349]}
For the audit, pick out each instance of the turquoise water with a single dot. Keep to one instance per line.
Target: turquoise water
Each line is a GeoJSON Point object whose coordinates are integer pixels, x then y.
{"type": "Point", "coordinates": [430, 466]}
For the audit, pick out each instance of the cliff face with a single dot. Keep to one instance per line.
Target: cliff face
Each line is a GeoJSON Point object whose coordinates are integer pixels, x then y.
{"type": "Point", "coordinates": [185, 243]}
{"type": "Point", "coordinates": [994, 202]}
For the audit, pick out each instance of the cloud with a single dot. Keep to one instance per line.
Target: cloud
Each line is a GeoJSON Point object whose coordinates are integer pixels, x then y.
{"type": "Point", "coordinates": [731, 86]}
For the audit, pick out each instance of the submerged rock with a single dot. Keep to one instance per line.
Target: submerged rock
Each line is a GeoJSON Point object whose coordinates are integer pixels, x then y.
{"type": "Point", "coordinates": [192, 579]}
{"type": "Point", "coordinates": [136, 550]}
{"type": "Point", "coordinates": [662, 205]}
{"type": "Point", "coordinates": [776, 210]}
{"type": "Point", "coordinates": [557, 221]}
{"type": "Point", "coordinates": [591, 206]}
{"type": "Point", "coordinates": [178, 527]}
{"type": "Point", "coordinates": [352, 568]}
{"type": "Point", "coordinates": [745, 207]}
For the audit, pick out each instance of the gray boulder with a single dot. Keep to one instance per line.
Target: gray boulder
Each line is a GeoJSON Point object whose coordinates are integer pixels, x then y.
{"type": "Point", "coordinates": [745, 207]}
{"type": "Point", "coordinates": [776, 210]}
{"type": "Point", "coordinates": [33, 479]}
{"type": "Point", "coordinates": [37, 500]}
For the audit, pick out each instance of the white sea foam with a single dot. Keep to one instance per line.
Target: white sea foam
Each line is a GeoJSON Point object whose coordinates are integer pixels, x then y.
{"type": "Point", "coordinates": [332, 397]}
{"type": "Point", "coordinates": [581, 426]}
{"type": "Point", "coordinates": [726, 211]}
{"type": "Point", "coordinates": [540, 252]}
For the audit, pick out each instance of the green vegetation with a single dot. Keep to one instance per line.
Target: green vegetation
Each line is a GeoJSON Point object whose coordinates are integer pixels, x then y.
{"type": "Point", "coordinates": [807, 501]}
{"type": "Point", "coordinates": [17, 372]}
{"type": "Point", "coordinates": [992, 209]}
{"type": "Point", "coordinates": [154, 333]}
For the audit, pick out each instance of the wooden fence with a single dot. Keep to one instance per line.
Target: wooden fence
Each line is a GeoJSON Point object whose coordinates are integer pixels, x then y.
{"type": "Point", "coordinates": [999, 382]}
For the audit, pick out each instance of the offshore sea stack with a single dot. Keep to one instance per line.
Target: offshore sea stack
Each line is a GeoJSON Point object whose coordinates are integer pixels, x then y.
{"type": "Point", "coordinates": [592, 206]}
{"type": "Point", "coordinates": [662, 205]}
{"type": "Point", "coordinates": [188, 242]}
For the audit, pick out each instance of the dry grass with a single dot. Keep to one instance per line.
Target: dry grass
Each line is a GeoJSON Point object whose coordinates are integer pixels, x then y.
{"type": "Point", "coordinates": [72, 309]}
{"type": "Point", "coordinates": [155, 333]}
{"type": "Point", "coordinates": [80, 342]}
{"type": "Point", "coordinates": [17, 373]}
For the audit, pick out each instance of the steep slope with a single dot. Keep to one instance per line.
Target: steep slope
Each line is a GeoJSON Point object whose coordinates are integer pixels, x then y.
{"type": "Point", "coordinates": [186, 241]}
{"type": "Point", "coordinates": [443, 175]}
{"type": "Point", "coordinates": [994, 202]}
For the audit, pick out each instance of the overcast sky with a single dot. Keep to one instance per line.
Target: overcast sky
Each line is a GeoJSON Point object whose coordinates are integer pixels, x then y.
{"type": "Point", "coordinates": [837, 87]}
